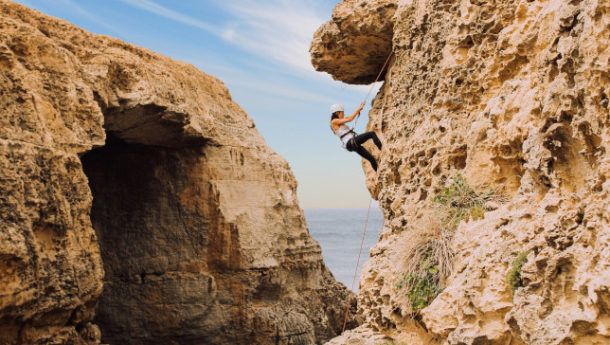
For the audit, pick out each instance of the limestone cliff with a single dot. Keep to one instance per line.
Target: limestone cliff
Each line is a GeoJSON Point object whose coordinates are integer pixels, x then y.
{"type": "Point", "coordinates": [510, 96]}
{"type": "Point", "coordinates": [139, 205]}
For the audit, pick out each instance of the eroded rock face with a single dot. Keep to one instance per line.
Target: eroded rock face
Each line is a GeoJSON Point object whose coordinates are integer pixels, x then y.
{"type": "Point", "coordinates": [353, 46]}
{"type": "Point", "coordinates": [121, 160]}
{"type": "Point", "coordinates": [514, 96]}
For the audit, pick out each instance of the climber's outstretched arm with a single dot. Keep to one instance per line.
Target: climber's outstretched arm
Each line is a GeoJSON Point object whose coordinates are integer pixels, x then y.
{"type": "Point", "coordinates": [340, 121]}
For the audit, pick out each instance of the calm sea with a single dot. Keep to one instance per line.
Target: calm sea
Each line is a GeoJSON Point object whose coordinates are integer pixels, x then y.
{"type": "Point", "coordinates": [339, 232]}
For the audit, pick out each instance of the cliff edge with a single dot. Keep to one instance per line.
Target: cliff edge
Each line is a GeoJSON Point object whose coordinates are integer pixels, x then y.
{"type": "Point", "coordinates": [503, 104]}
{"type": "Point", "coordinates": [139, 205]}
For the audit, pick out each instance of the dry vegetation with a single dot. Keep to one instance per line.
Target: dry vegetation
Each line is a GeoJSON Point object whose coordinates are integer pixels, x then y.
{"type": "Point", "coordinates": [513, 278]}
{"type": "Point", "coordinates": [430, 256]}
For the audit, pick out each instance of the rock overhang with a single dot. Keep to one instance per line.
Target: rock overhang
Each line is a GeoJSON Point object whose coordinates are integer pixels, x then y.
{"type": "Point", "coordinates": [353, 46]}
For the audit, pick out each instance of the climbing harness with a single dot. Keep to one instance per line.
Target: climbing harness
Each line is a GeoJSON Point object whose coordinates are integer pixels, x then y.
{"type": "Point", "coordinates": [373, 85]}
{"type": "Point", "coordinates": [349, 298]}
{"type": "Point", "coordinates": [342, 132]}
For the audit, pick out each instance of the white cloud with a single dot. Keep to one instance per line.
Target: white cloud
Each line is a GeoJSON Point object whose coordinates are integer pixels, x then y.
{"type": "Point", "coordinates": [228, 34]}
{"type": "Point", "coordinates": [73, 7]}
{"type": "Point", "coordinates": [250, 80]}
{"type": "Point", "coordinates": [284, 91]}
{"type": "Point", "coordinates": [278, 31]}
{"type": "Point", "coordinates": [152, 7]}
{"type": "Point", "coordinates": [90, 16]}
{"type": "Point", "coordinates": [282, 30]}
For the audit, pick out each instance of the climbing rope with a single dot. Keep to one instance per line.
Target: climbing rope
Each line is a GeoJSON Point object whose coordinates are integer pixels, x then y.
{"type": "Point", "coordinates": [349, 298]}
{"type": "Point", "coordinates": [373, 86]}
{"type": "Point", "coordinates": [368, 212]}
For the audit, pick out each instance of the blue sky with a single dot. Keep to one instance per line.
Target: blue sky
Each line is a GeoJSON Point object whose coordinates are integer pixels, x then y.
{"type": "Point", "coordinates": [259, 49]}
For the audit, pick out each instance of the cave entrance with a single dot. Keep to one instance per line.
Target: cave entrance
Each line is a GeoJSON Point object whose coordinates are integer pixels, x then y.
{"type": "Point", "coordinates": [152, 245]}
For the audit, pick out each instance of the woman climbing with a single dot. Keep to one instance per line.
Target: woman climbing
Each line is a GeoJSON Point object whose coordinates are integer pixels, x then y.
{"type": "Point", "coordinates": [352, 141]}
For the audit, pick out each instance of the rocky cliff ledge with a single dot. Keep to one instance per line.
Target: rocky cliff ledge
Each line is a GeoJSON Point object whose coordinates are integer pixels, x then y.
{"type": "Point", "coordinates": [507, 102]}
{"type": "Point", "coordinates": [132, 182]}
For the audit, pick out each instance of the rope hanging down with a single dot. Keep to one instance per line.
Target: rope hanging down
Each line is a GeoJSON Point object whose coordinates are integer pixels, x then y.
{"type": "Point", "coordinates": [349, 298]}
{"type": "Point", "coordinates": [372, 86]}
{"type": "Point", "coordinates": [368, 212]}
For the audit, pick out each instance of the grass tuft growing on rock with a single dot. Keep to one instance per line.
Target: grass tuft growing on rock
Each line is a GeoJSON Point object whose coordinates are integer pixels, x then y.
{"type": "Point", "coordinates": [513, 278]}
{"type": "Point", "coordinates": [460, 202]}
{"type": "Point", "coordinates": [425, 272]}
{"type": "Point", "coordinates": [430, 257]}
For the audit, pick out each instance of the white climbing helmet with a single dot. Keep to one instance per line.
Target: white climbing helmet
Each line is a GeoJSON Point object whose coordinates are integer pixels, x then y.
{"type": "Point", "coordinates": [335, 108]}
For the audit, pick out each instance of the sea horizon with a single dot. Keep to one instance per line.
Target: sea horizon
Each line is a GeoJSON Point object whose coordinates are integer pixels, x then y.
{"type": "Point", "coordinates": [339, 233]}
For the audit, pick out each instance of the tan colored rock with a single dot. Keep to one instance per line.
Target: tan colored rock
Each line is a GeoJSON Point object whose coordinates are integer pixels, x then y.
{"type": "Point", "coordinates": [514, 96]}
{"type": "Point", "coordinates": [196, 220]}
{"type": "Point", "coordinates": [362, 335]}
{"type": "Point", "coordinates": [353, 46]}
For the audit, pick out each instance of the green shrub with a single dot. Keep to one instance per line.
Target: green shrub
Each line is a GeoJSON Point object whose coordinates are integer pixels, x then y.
{"type": "Point", "coordinates": [429, 265]}
{"type": "Point", "coordinates": [423, 289]}
{"type": "Point", "coordinates": [460, 202]}
{"type": "Point", "coordinates": [430, 258]}
{"type": "Point", "coordinates": [513, 278]}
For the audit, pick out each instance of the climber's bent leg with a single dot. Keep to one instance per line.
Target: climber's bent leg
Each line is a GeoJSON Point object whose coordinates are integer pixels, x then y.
{"type": "Point", "coordinates": [362, 138]}
{"type": "Point", "coordinates": [353, 146]}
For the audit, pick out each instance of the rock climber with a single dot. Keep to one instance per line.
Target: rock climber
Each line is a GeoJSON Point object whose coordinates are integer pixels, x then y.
{"type": "Point", "coordinates": [351, 140]}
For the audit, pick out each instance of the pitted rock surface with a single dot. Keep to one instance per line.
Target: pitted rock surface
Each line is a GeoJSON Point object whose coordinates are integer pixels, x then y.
{"type": "Point", "coordinates": [353, 46]}
{"type": "Point", "coordinates": [513, 95]}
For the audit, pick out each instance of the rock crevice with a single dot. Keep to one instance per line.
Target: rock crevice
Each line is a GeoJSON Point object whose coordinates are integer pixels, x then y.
{"type": "Point", "coordinates": [140, 205]}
